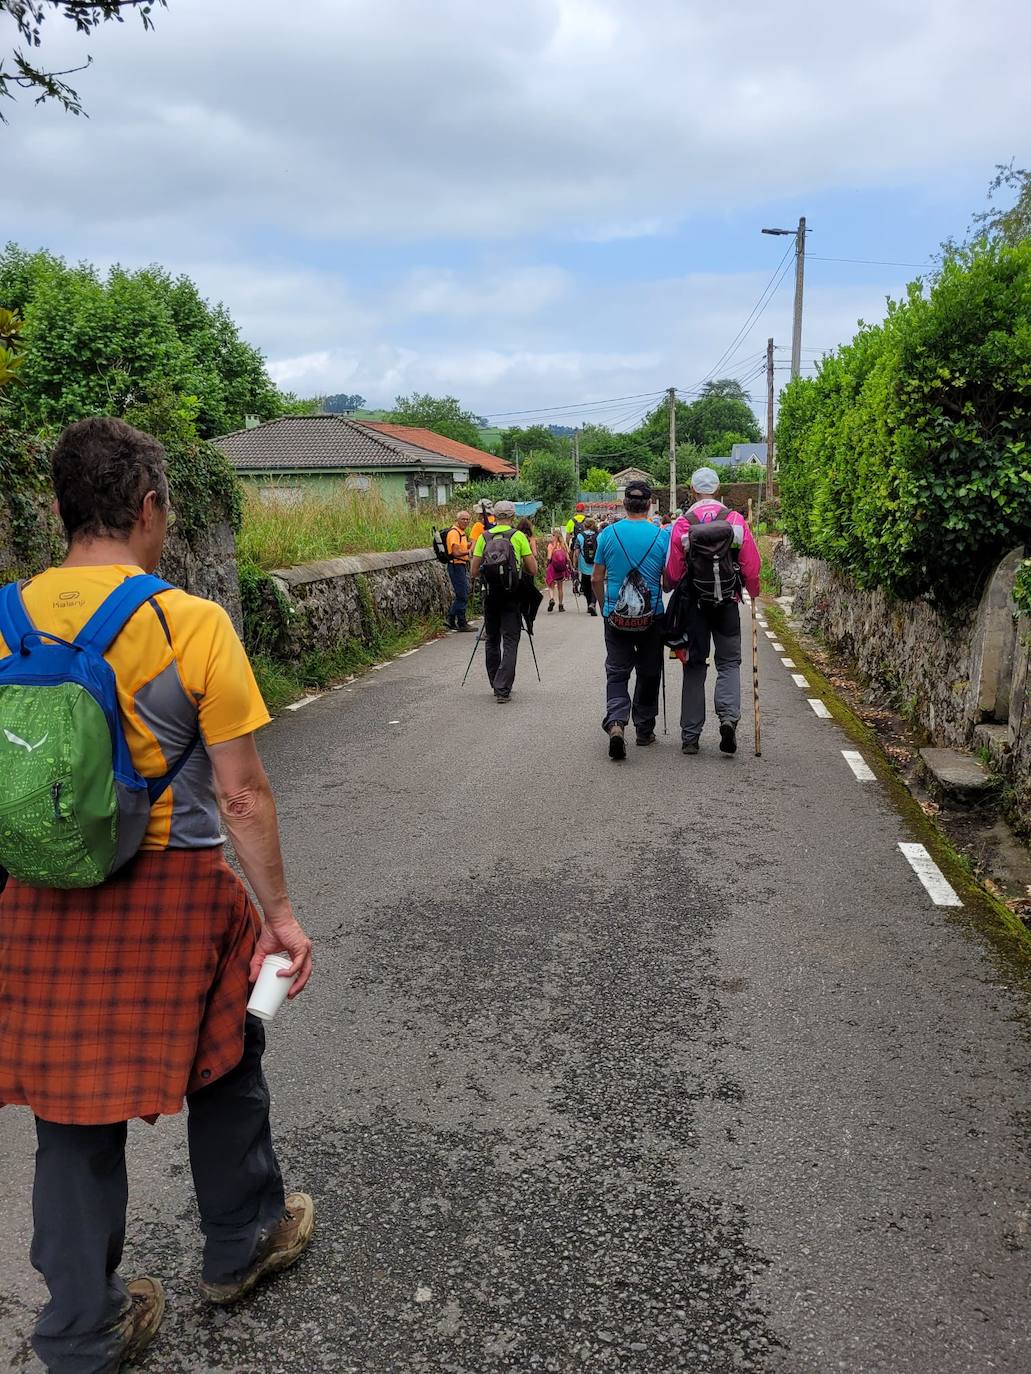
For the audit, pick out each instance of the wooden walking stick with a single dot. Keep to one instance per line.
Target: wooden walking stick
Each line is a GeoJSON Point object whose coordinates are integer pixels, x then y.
{"type": "Point", "coordinates": [755, 681]}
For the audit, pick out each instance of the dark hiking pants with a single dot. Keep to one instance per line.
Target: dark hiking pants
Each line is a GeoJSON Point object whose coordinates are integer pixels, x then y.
{"type": "Point", "coordinates": [79, 1201]}
{"type": "Point", "coordinates": [587, 587]}
{"type": "Point", "coordinates": [502, 626]}
{"type": "Point", "coordinates": [459, 575]}
{"type": "Point", "coordinates": [626, 653]}
{"type": "Point", "coordinates": [720, 625]}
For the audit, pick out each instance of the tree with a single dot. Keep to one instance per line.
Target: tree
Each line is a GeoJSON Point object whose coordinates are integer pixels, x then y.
{"type": "Point", "coordinates": [723, 444]}
{"type": "Point", "coordinates": [550, 478]}
{"type": "Point", "coordinates": [600, 447]}
{"type": "Point", "coordinates": [535, 438]}
{"type": "Point", "coordinates": [1010, 226]}
{"type": "Point", "coordinates": [11, 344]}
{"type": "Point", "coordinates": [343, 403]}
{"type": "Point", "coordinates": [653, 432]}
{"type": "Point", "coordinates": [442, 414]}
{"type": "Point", "coordinates": [710, 417]}
{"type": "Point", "coordinates": [726, 386]}
{"type": "Point", "coordinates": [98, 345]}
{"type": "Point", "coordinates": [598, 479]}
{"type": "Point", "coordinates": [87, 15]}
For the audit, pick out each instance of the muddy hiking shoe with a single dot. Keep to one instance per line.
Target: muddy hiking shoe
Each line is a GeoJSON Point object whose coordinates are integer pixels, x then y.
{"type": "Point", "coordinates": [142, 1320]}
{"type": "Point", "coordinates": [689, 746]}
{"type": "Point", "coordinates": [617, 742]}
{"type": "Point", "coordinates": [286, 1243]}
{"type": "Point", "coordinates": [728, 736]}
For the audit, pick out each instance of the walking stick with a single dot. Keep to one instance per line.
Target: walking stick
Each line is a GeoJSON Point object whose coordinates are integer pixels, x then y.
{"type": "Point", "coordinates": [576, 595]}
{"type": "Point", "coordinates": [473, 654]}
{"type": "Point", "coordinates": [755, 681]}
{"type": "Point", "coordinates": [529, 635]}
{"type": "Point", "coordinates": [665, 731]}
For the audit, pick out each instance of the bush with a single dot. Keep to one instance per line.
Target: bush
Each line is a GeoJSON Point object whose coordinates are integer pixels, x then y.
{"type": "Point", "coordinates": [907, 460]}
{"type": "Point", "coordinates": [550, 479]}
{"type": "Point", "coordinates": [599, 480]}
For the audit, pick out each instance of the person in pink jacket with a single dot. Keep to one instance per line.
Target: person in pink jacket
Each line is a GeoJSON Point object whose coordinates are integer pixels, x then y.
{"type": "Point", "coordinates": [719, 624]}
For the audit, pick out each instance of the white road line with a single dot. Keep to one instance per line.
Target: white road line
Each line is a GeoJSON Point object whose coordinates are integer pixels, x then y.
{"type": "Point", "coordinates": [770, 634]}
{"type": "Point", "coordinates": [304, 701]}
{"type": "Point", "coordinates": [788, 662]}
{"type": "Point", "coordinates": [393, 722]}
{"type": "Point", "coordinates": [408, 652]}
{"type": "Point", "coordinates": [778, 648]}
{"type": "Point", "coordinates": [799, 680]}
{"type": "Point", "coordinates": [933, 879]}
{"type": "Point", "coordinates": [859, 765]}
{"type": "Point", "coordinates": [819, 708]}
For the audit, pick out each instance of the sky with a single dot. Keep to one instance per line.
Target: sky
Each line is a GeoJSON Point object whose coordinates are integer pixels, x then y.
{"type": "Point", "coordinates": [550, 209]}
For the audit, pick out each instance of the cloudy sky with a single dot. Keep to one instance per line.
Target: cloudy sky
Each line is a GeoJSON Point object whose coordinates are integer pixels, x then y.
{"type": "Point", "coordinates": [535, 205]}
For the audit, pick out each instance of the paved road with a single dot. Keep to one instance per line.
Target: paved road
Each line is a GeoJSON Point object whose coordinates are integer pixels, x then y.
{"type": "Point", "coordinates": [664, 1066]}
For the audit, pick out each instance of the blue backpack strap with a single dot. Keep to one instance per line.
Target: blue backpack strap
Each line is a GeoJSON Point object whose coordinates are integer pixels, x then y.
{"type": "Point", "coordinates": [14, 618]}
{"type": "Point", "coordinates": [107, 622]}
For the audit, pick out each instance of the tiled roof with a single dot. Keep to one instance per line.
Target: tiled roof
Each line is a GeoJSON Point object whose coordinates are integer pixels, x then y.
{"type": "Point", "coordinates": [440, 443]}
{"type": "Point", "coordinates": [319, 442]}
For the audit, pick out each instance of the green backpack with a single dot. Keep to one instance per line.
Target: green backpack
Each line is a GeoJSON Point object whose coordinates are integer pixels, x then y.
{"type": "Point", "coordinates": [73, 807]}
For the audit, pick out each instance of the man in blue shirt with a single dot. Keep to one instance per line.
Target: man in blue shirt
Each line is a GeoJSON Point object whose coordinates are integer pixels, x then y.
{"type": "Point", "coordinates": [585, 542]}
{"type": "Point", "coordinates": [627, 580]}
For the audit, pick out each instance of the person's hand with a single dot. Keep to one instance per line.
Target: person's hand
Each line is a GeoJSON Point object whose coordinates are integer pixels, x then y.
{"type": "Point", "coordinates": [282, 934]}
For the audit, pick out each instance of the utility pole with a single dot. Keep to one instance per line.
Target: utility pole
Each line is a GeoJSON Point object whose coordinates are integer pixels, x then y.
{"type": "Point", "coordinates": [576, 460]}
{"type": "Point", "coordinates": [769, 420]}
{"type": "Point", "coordinates": [796, 330]}
{"type": "Point", "coordinates": [672, 395]}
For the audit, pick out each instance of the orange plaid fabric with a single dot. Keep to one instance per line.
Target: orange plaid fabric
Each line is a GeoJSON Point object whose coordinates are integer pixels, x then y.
{"type": "Point", "coordinates": [116, 1001]}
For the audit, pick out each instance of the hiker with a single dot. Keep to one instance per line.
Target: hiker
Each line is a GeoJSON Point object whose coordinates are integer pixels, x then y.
{"type": "Point", "coordinates": [559, 569]}
{"type": "Point", "coordinates": [711, 556]}
{"type": "Point", "coordinates": [576, 519]}
{"type": "Point", "coordinates": [502, 556]}
{"type": "Point", "coordinates": [458, 571]}
{"type": "Point", "coordinates": [125, 989]}
{"type": "Point", "coordinates": [585, 549]}
{"type": "Point", "coordinates": [627, 581]}
{"type": "Point", "coordinates": [525, 526]}
{"type": "Point", "coordinates": [484, 519]}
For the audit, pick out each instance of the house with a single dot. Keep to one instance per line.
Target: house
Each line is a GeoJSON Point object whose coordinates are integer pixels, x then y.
{"type": "Point", "coordinates": [748, 453]}
{"type": "Point", "coordinates": [483, 466]}
{"type": "Point", "coordinates": [626, 475]}
{"type": "Point", "coordinates": [297, 454]}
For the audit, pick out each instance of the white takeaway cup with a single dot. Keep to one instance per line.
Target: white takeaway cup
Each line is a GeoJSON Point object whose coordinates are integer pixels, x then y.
{"type": "Point", "coordinates": [270, 990]}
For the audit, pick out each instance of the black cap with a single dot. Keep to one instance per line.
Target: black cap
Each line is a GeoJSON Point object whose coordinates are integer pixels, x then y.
{"type": "Point", "coordinates": [639, 489]}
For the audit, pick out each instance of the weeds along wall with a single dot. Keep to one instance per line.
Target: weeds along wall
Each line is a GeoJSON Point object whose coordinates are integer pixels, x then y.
{"type": "Point", "coordinates": [906, 462]}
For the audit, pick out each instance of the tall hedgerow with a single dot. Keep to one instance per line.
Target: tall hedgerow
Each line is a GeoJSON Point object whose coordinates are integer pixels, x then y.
{"type": "Point", "coordinates": [907, 460]}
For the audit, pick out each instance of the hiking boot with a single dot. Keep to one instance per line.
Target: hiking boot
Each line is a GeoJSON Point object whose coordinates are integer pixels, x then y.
{"type": "Point", "coordinates": [465, 629]}
{"type": "Point", "coordinates": [561, 607]}
{"type": "Point", "coordinates": [143, 1318]}
{"type": "Point", "coordinates": [286, 1243]}
{"type": "Point", "coordinates": [592, 610]}
{"type": "Point", "coordinates": [649, 738]}
{"type": "Point", "coordinates": [728, 736]}
{"type": "Point", "coordinates": [502, 697]}
{"type": "Point", "coordinates": [551, 607]}
{"type": "Point", "coordinates": [689, 746]}
{"type": "Point", "coordinates": [617, 742]}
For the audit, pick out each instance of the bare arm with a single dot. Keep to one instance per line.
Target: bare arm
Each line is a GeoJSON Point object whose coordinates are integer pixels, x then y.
{"type": "Point", "coordinates": [249, 812]}
{"type": "Point", "coordinates": [598, 582]}
{"type": "Point", "coordinates": [530, 564]}
{"type": "Point", "coordinates": [474, 569]}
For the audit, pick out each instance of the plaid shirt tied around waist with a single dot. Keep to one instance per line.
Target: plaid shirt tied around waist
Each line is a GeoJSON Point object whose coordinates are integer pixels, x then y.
{"type": "Point", "coordinates": [116, 1001]}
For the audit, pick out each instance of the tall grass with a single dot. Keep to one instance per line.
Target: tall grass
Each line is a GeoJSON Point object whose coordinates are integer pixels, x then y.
{"type": "Point", "coordinates": [279, 534]}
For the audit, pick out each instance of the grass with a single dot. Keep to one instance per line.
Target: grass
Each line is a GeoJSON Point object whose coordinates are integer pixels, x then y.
{"type": "Point", "coordinates": [282, 683]}
{"type": "Point", "coordinates": [328, 525]}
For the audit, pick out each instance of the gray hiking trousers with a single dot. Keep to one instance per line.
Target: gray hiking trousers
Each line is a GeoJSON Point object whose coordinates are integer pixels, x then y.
{"type": "Point", "coordinates": [720, 627]}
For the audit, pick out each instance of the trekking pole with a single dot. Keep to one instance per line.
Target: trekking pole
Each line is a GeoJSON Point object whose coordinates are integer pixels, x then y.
{"type": "Point", "coordinates": [576, 595]}
{"type": "Point", "coordinates": [473, 654]}
{"type": "Point", "coordinates": [755, 680]}
{"type": "Point", "coordinates": [665, 731]}
{"type": "Point", "coordinates": [529, 635]}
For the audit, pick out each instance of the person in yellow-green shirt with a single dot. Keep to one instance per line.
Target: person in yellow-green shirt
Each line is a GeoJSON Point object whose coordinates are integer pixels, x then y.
{"type": "Point", "coordinates": [503, 570]}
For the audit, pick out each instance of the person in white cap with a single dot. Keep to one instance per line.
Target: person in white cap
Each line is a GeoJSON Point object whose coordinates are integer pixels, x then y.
{"type": "Point", "coordinates": [722, 561]}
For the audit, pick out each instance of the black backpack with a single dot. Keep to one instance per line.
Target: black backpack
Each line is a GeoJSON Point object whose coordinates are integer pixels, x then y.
{"type": "Point", "coordinates": [712, 563]}
{"type": "Point", "coordinates": [633, 610]}
{"type": "Point", "coordinates": [499, 566]}
{"type": "Point", "coordinates": [440, 545]}
{"type": "Point", "coordinates": [589, 545]}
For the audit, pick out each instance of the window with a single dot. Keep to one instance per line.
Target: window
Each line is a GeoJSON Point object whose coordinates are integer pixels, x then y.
{"type": "Point", "coordinates": [442, 496]}
{"type": "Point", "coordinates": [460, 477]}
{"type": "Point", "coordinates": [423, 491]}
{"type": "Point", "coordinates": [358, 482]}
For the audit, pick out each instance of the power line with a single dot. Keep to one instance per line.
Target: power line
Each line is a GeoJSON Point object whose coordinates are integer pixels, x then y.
{"type": "Point", "coordinates": [754, 314]}
{"type": "Point", "coordinates": [869, 262]}
{"type": "Point", "coordinates": [573, 405]}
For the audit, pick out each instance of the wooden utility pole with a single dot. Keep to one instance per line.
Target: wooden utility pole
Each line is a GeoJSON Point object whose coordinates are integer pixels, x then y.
{"type": "Point", "coordinates": [576, 460]}
{"type": "Point", "coordinates": [796, 331]}
{"type": "Point", "coordinates": [672, 395]}
{"type": "Point", "coordinates": [769, 420]}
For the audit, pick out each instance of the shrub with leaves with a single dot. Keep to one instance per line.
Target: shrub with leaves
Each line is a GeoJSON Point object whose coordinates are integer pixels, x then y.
{"type": "Point", "coordinates": [907, 460]}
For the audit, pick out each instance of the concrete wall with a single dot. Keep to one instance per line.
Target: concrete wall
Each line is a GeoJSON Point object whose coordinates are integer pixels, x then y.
{"type": "Point", "coordinates": [321, 605]}
{"type": "Point", "coordinates": [964, 677]}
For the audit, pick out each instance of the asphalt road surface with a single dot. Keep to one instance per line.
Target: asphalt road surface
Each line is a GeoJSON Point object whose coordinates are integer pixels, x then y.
{"type": "Point", "coordinates": [671, 1065]}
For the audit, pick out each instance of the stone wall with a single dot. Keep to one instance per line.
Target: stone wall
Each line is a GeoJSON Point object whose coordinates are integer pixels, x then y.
{"type": "Point", "coordinates": [964, 677]}
{"type": "Point", "coordinates": [319, 606]}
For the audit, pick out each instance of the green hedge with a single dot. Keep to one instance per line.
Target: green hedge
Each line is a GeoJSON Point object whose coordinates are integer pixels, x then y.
{"type": "Point", "coordinates": [906, 461]}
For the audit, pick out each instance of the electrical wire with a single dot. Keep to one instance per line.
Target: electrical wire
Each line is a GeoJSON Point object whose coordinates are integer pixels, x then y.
{"type": "Point", "coordinates": [754, 314]}
{"type": "Point", "coordinates": [869, 262]}
{"type": "Point", "coordinates": [572, 405]}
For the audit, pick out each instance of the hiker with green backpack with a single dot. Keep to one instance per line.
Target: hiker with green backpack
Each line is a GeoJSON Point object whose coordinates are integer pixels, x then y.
{"type": "Point", "coordinates": [127, 945]}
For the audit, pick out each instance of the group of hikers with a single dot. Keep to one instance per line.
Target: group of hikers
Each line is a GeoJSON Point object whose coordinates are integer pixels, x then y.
{"type": "Point", "coordinates": [128, 947]}
{"type": "Point", "coordinates": [705, 558]}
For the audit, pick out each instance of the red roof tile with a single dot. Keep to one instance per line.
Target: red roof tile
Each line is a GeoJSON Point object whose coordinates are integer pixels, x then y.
{"type": "Point", "coordinates": [439, 443]}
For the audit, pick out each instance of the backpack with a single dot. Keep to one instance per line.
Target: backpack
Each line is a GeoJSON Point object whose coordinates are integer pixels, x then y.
{"type": "Point", "coordinates": [440, 545]}
{"type": "Point", "coordinates": [73, 808]}
{"type": "Point", "coordinates": [589, 545]}
{"type": "Point", "coordinates": [712, 567]}
{"type": "Point", "coordinates": [499, 566]}
{"type": "Point", "coordinates": [633, 610]}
